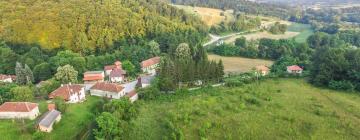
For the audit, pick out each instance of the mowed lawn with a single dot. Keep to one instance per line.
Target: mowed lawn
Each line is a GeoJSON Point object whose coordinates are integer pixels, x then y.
{"type": "Point", "coordinates": [304, 29]}
{"type": "Point", "coordinates": [272, 109]}
{"type": "Point", "coordinates": [73, 123]}
{"type": "Point", "coordinates": [239, 64]}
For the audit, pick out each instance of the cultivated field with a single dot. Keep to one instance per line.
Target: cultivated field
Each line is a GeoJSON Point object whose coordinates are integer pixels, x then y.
{"type": "Point", "coordinates": [265, 34]}
{"type": "Point", "coordinates": [239, 64]}
{"type": "Point", "coordinates": [271, 109]}
{"type": "Point", "coordinates": [210, 16]}
{"type": "Point", "coordinates": [304, 31]}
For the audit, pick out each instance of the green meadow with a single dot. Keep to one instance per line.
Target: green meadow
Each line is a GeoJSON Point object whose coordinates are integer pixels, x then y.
{"type": "Point", "coordinates": [271, 109]}
{"type": "Point", "coordinates": [304, 29]}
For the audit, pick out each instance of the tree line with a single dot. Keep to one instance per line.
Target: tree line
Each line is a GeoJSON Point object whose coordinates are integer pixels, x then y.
{"type": "Point", "coordinates": [96, 27]}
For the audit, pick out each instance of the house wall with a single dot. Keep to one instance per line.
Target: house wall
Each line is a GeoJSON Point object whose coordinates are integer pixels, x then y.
{"type": "Point", "coordinates": [78, 97]}
{"type": "Point", "coordinates": [107, 72]}
{"type": "Point", "coordinates": [8, 80]}
{"type": "Point", "coordinates": [20, 115]}
{"type": "Point", "coordinates": [294, 72]}
{"type": "Point", "coordinates": [95, 92]}
{"type": "Point", "coordinates": [116, 79]}
{"type": "Point", "coordinates": [151, 69]}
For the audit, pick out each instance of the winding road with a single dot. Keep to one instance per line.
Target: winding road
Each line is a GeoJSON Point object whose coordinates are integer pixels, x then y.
{"type": "Point", "coordinates": [215, 38]}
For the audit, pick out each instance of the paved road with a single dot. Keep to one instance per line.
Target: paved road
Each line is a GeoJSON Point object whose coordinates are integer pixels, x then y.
{"type": "Point", "coordinates": [215, 38]}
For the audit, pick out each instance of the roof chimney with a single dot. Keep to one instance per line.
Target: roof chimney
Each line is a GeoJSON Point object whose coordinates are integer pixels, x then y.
{"type": "Point", "coordinates": [51, 106]}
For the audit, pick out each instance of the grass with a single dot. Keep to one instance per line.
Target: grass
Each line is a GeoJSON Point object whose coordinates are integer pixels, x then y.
{"type": "Point", "coordinates": [210, 16]}
{"type": "Point", "coordinates": [74, 122]}
{"type": "Point", "coordinates": [239, 64]}
{"type": "Point", "coordinates": [272, 109]}
{"type": "Point", "coordinates": [304, 29]}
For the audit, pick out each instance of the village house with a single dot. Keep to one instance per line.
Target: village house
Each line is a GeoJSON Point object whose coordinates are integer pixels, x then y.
{"type": "Point", "coordinates": [144, 81]}
{"type": "Point", "coordinates": [133, 96]}
{"type": "Point", "coordinates": [46, 122]}
{"type": "Point", "coordinates": [19, 110]}
{"type": "Point", "coordinates": [109, 90]}
{"type": "Point", "coordinates": [115, 72]}
{"type": "Point", "coordinates": [294, 69]}
{"type": "Point", "coordinates": [262, 70]}
{"type": "Point", "coordinates": [92, 77]}
{"type": "Point", "coordinates": [7, 78]}
{"type": "Point", "coordinates": [149, 66]}
{"type": "Point", "coordinates": [70, 93]}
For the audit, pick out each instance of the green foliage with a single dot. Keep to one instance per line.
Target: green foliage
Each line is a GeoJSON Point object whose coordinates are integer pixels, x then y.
{"type": "Point", "coordinates": [5, 94]}
{"type": "Point", "coordinates": [183, 51]}
{"type": "Point", "coordinates": [241, 42]}
{"type": "Point", "coordinates": [22, 94]}
{"type": "Point", "coordinates": [89, 27]}
{"type": "Point", "coordinates": [68, 58]}
{"type": "Point", "coordinates": [341, 85]}
{"type": "Point", "coordinates": [38, 135]}
{"type": "Point", "coordinates": [66, 74]}
{"type": "Point", "coordinates": [60, 104]}
{"type": "Point", "coordinates": [42, 72]}
{"type": "Point", "coordinates": [7, 59]}
{"type": "Point", "coordinates": [149, 93]}
{"type": "Point", "coordinates": [113, 122]}
{"type": "Point", "coordinates": [242, 23]}
{"type": "Point", "coordinates": [154, 48]}
{"type": "Point", "coordinates": [278, 28]}
{"type": "Point", "coordinates": [47, 87]}
{"type": "Point", "coordinates": [24, 75]}
{"type": "Point", "coordinates": [129, 68]}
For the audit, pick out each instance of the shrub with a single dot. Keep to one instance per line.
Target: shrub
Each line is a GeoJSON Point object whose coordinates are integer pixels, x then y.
{"type": "Point", "coordinates": [341, 85]}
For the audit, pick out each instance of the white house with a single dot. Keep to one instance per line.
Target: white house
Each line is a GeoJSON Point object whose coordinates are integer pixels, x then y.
{"type": "Point", "coordinates": [70, 93]}
{"type": "Point", "coordinates": [294, 69]}
{"type": "Point", "coordinates": [117, 75]}
{"type": "Point", "coordinates": [149, 66]}
{"type": "Point", "coordinates": [47, 121]}
{"type": "Point", "coordinates": [7, 78]}
{"type": "Point", "coordinates": [109, 68]}
{"type": "Point", "coordinates": [109, 90]}
{"type": "Point", "coordinates": [19, 110]}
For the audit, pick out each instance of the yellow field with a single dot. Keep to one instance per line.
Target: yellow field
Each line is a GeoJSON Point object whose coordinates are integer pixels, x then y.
{"type": "Point", "coordinates": [239, 64]}
{"type": "Point", "coordinates": [210, 16]}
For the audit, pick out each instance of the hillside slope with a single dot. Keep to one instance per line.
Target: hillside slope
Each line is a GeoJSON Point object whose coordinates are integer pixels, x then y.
{"type": "Point", "coordinates": [87, 25]}
{"type": "Point", "coordinates": [271, 109]}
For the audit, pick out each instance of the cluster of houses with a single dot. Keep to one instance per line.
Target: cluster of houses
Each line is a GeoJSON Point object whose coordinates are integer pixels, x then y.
{"type": "Point", "coordinates": [263, 70]}
{"type": "Point", "coordinates": [7, 78]}
{"type": "Point", "coordinates": [111, 83]}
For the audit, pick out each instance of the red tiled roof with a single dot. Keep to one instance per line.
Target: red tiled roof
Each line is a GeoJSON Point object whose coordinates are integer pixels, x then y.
{"type": "Point", "coordinates": [109, 67]}
{"type": "Point", "coordinates": [65, 91]}
{"type": "Point", "coordinates": [111, 87]}
{"type": "Point", "coordinates": [3, 77]}
{"type": "Point", "coordinates": [131, 93]}
{"type": "Point", "coordinates": [51, 107]}
{"type": "Point", "coordinates": [93, 78]}
{"type": "Point", "coordinates": [294, 67]}
{"type": "Point", "coordinates": [17, 106]}
{"type": "Point", "coordinates": [262, 68]}
{"type": "Point", "coordinates": [149, 62]}
{"type": "Point", "coordinates": [117, 73]}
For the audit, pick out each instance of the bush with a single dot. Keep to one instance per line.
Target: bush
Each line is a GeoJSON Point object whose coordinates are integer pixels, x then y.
{"type": "Point", "coordinates": [341, 85]}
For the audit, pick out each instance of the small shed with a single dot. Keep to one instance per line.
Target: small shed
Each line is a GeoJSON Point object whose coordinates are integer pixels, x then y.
{"type": "Point", "coordinates": [47, 121]}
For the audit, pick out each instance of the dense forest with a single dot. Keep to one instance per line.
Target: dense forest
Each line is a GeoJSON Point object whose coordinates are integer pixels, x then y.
{"type": "Point", "coordinates": [245, 6]}
{"type": "Point", "coordinates": [92, 27]}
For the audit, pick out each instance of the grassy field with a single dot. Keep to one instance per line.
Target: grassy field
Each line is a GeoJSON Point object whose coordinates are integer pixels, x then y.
{"type": "Point", "coordinates": [210, 16]}
{"type": "Point", "coordinates": [73, 123]}
{"type": "Point", "coordinates": [272, 109]}
{"type": "Point", "coordinates": [304, 31]}
{"type": "Point", "coordinates": [239, 64]}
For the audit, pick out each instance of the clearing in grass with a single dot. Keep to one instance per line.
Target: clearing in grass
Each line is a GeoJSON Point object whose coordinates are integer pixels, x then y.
{"type": "Point", "coordinates": [270, 109]}
{"type": "Point", "coordinates": [239, 64]}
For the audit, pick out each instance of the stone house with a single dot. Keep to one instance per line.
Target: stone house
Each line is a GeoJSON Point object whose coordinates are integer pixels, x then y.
{"type": "Point", "coordinates": [70, 93]}
{"type": "Point", "coordinates": [149, 66]}
{"type": "Point", "coordinates": [109, 90]}
{"type": "Point", "coordinates": [19, 110]}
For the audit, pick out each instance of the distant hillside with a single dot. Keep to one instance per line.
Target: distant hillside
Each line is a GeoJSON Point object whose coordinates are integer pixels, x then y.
{"type": "Point", "coordinates": [88, 25]}
{"type": "Point", "coordinates": [241, 6]}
